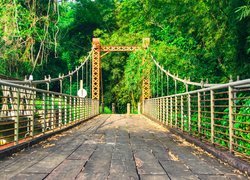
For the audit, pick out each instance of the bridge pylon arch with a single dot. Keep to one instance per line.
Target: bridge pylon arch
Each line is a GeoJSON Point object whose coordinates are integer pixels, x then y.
{"type": "Point", "coordinates": [96, 65]}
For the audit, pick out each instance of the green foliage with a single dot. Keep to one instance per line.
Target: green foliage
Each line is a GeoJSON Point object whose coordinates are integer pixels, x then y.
{"type": "Point", "coordinates": [107, 110]}
{"type": "Point", "coordinates": [196, 39]}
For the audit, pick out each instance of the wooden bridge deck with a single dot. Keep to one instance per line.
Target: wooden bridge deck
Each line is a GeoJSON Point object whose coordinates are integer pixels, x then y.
{"type": "Point", "coordinates": [115, 147]}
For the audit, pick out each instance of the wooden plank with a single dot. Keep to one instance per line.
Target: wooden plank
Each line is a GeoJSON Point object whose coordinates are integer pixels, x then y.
{"type": "Point", "coordinates": [68, 169]}
{"type": "Point", "coordinates": [83, 152]}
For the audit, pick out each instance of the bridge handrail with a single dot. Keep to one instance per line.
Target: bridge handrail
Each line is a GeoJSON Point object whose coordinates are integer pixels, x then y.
{"type": "Point", "coordinates": [28, 112]}
{"type": "Point", "coordinates": [20, 86]}
{"type": "Point", "coordinates": [219, 115]}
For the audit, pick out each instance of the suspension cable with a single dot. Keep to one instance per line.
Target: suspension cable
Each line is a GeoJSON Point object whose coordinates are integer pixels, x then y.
{"type": "Point", "coordinates": [54, 79]}
{"type": "Point", "coordinates": [82, 72]}
{"type": "Point", "coordinates": [86, 75]}
{"type": "Point", "coordinates": [167, 85]}
{"type": "Point", "coordinates": [157, 81]}
{"type": "Point", "coordinates": [179, 79]}
{"type": "Point", "coordinates": [77, 79]}
{"type": "Point", "coordinates": [161, 83]}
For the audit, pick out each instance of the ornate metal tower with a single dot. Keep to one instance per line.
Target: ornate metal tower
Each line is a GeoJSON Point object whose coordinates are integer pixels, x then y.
{"type": "Point", "coordinates": [96, 65]}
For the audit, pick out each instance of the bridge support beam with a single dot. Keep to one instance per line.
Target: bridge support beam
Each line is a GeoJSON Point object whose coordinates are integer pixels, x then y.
{"type": "Point", "coordinates": [146, 92]}
{"type": "Point", "coordinates": [96, 68]}
{"type": "Point", "coordinates": [96, 65]}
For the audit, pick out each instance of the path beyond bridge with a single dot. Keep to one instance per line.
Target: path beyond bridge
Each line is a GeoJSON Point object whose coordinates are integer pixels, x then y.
{"type": "Point", "coordinates": [115, 147]}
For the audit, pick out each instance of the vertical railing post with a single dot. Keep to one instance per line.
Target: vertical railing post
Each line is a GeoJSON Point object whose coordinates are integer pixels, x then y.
{"type": "Point", "coordinates": [199, 113]}
{"type": "Point", "coordinates": [189, 112]}
{"type": "Point", "coordinates": [163, 110]}
{"type": "Point", "coordinates": [182, 113]}
{"type": "Point", "coordinates": [212, 115]}
{"type": "Point", "coordinates": [79, 109]}
{"type": "Point", "coordinates": [32, 120]}
{"type": "Point", "coordinates": [84, 109]}
{"type": "Point", "coordinates": [16, 125]}
{"type": "Point", "coordinates": [231, 116]}
{"type": "Point", "coordinates": [44, 113]}
{"type": "Point", "coordinates": [75, 115]}
{"type": "Point", "coordinates": [155, 105]}
{"type": "Point", "coordinates": [156, 109]}
{"type": "Point", "coordinates": [60, 110]}
{"type": "Point", "coordinates": [176, 111]}
{"type": "Point", "coordinates": [65, 110]}
{"type": "Point", "coordinates": [171, 112]}
{"type": "Point", "coordinates": [52, 111]}
{"type": "Point", "coordinates": [160, 109]}
{"type": "Point", "coordinates": [167, 114]}
{"type": "Point", "coordinates": [70, 109]}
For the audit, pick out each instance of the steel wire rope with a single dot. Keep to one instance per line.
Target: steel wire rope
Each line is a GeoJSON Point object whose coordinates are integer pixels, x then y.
{"type": "Point", "coordinates": [162, 83]}
{"type": "Point", "coordinates": [157, 81]}
{"type": "Point", "coordinates": [53, 79]}
{"type": "Point", "coordinates": [179, 79]}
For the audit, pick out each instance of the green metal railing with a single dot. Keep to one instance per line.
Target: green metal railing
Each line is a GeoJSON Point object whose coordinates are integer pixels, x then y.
{"type": "Point", "coordinates": [219, 115]}
{"type": "Point", "coordinates": [26, 112]}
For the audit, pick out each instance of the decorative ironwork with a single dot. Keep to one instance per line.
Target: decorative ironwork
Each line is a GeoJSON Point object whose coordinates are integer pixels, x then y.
{"type": "Point", "coordinates": [146, 93]}
{"type": "Point", "coordinates": [96, 66]}
{"type": "Point", "coordinates": [119, 48]}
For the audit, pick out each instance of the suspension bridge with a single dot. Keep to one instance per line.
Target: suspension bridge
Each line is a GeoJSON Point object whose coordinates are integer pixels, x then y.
{"type": "Point", "coordinates": [200, 131]}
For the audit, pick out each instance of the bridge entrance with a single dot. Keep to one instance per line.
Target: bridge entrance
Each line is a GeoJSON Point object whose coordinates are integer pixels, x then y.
{"type": "Point", "coordinates": [99, 51]}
